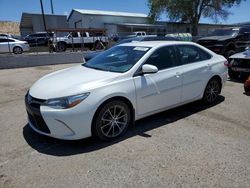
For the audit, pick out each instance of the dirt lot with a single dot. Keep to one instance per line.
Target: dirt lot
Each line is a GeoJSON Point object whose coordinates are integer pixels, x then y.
{"type": "Point", "coordinates": [191, 146]}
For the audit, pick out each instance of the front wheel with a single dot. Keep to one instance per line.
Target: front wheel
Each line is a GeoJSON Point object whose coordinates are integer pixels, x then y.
{"type": "Point", "coordinates": [212, 91]}
{"type": "Point", "coordinates": [112, 120]}
{"type": "Point", "coordinates": [17, 50]}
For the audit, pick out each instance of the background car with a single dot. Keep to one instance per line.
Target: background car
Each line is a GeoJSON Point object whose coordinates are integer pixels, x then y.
{"type": "Point", "coordinates": [13, 45]}
{"type": "Point", "coordinates": [227, 41]}
{"type": "Point", "coordinates": [239, 65]}
{"type": "Point", "coordinates": [38, 39]}
{"type": "Point", "coordinates": [132, 39]}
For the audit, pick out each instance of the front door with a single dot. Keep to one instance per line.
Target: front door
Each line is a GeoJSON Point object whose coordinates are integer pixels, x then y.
{"type": "Point", "coordinates": [162, 89]}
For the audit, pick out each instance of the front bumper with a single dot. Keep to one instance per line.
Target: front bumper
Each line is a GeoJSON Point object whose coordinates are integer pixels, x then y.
{"type": "Point", "coordinates": [67, 124]}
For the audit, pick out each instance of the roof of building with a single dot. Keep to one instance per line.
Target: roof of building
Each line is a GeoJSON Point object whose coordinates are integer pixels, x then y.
{"type": "Point", "coordinates": [138, 25]}
{"type": "Point", "coordinates": [26, 19]}
{"type": "Point", "coordinates": [108, 13]}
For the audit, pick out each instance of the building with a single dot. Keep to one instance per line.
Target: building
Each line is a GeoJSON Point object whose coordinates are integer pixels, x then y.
{"type": "Point", "coordinates": [123, 23]}
{"type": "Point", "coordinates": [31, 23]}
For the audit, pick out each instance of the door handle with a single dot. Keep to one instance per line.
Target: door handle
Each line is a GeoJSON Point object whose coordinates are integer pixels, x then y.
{"type": "Point", "coordinates": [209, 66]}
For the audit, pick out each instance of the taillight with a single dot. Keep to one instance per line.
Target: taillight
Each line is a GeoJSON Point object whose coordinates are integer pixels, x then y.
{"type": "Point", "coordinates": [226, 63]}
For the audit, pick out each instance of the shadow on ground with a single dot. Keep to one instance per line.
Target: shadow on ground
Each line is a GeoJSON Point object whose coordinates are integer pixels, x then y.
{"type": "Point", "coordinates": [57, 147]}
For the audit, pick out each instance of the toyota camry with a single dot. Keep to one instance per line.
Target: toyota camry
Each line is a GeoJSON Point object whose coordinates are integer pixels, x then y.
{"type": "Point", "coordinates": [125, 83]}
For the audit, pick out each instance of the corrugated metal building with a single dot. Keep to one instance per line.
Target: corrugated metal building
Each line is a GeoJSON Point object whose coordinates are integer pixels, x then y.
{"type": "Point", "coordinates": [123, 23]}
{"type": "Point", "coordinates": [31, 23]}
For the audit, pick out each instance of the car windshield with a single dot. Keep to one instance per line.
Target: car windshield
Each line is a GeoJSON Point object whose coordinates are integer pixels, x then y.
{"type": "Point", "coordinates": [225, 32]}
{"type": "Point", "coordinates": [117, 59]}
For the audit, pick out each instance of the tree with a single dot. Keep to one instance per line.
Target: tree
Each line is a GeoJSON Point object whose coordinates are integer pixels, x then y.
{"type": "Point", "coordinates": [191, 10]}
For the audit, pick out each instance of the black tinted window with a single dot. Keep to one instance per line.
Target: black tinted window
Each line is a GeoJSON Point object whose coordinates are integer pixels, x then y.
{"type": "Point", "coordinates": [83, 34]}
{"type": "Point", "coordinates": [6, 40]}
{"type": "Point", "coordinates": [74, 34]}
{"type": "Point", "coordinates": [163, 58]}
{"type": "Point", "coordinates": [191, 54]}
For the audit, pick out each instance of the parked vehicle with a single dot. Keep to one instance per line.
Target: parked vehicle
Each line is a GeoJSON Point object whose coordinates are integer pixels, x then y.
{"type": "Point", "coordinates": [6, 35]}
{"type": "Point", "coordinates": [10, 36]}
{"type": "Point", "coordinates": [227, 41]}
{"type": "Point", "coordinates": [125, 83]}
{"type": "Point", "coordinates": [79, 39]}
{"type": "Point", "coordinates": [132, 39]}
{"type": "Point", "coordinates": [247, 86]}
{"type": "Point", "coordinates": [13, 45]}
{"type": "Point", "coordinates": [181, 36]}
{"type": "Point", "coordinates": [39, 39]}
{"type": "Point", "coordinates": [239, 65]}
{"type": "Point", "coordinates": [138, 34]}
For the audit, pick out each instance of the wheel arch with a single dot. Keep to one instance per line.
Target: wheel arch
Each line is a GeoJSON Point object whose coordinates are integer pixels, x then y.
{"type": "Point", "coordinates": [114, 98]}
{"type": "Point", "coordinates": [16, 46]}
{"type": "Point", "coordinates": [215, 77]}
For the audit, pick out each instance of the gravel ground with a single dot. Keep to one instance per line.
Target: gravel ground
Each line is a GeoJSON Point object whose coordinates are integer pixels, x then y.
{"type": "Point", "coordinates": [190, 146]}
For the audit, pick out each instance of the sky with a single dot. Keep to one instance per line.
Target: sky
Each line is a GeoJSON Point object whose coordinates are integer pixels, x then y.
{"type": "Point", "coordinates": [11, 10]}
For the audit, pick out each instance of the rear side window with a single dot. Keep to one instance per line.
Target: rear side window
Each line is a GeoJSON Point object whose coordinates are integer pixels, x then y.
{"type": "Point", "coordinates": [6, 40]}
{"type": "Point", "coordinates": [163, 58]}
{"type": "Point", "coordinates": [191, 54]}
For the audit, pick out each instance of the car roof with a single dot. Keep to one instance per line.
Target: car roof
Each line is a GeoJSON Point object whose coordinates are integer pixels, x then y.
{"type": "Point", "coordinates": [152, 44]}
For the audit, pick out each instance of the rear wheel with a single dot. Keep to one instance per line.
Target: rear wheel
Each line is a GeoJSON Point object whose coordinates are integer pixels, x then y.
{"type": "Point", "coordinates": [212, 91]}
{"type": "Point", "coordinates": [61, 47]}
{"type": "Point", "coordinates": [17, 50]}
{"type": "Point", "coordinates": [112, 120]}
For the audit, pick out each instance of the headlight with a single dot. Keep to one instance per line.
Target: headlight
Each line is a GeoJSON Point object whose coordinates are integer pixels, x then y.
{"type": "Point", "coordinates": [66, 102]}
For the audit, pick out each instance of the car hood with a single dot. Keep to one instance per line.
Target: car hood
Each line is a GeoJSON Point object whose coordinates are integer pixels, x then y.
{"type": "Point", "coordinates": [70, 81]}
{"type": "Point", "coordinates": [242, 55]}
{"type": "Point", "coordinates": [217, 38]}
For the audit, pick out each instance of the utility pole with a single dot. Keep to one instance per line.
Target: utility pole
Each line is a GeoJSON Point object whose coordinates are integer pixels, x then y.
{"type": "Point", "coordinates": [52, 7]}
{"type": "Point", "coordinates": [44, 23]}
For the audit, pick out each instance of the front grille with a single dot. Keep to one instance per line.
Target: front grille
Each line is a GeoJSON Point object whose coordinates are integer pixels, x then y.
{"type": "Point", "coordinates": [34, 113]}
{"type": "Point", "coordinates": [241, 63]}
{"type": "Point", "coordinates": [207, 42]}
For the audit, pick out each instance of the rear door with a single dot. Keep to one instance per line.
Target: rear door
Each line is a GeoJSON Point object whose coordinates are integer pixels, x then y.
{"type": "Point", "coordinates": [5, 46]}
{"type": "Point", "coordinates": [196, 70]}
{"type": "Point", "coordinates": [162, 89]}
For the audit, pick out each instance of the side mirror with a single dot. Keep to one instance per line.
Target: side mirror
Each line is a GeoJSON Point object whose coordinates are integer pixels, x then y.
{"type": "Point", "coordinates": [149, 69]}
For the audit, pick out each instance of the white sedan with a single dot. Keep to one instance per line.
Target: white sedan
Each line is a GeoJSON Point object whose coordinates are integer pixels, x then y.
{"type": "Point", "coordinates": [13, 45]}
{"type": "Point", "coordinates": [125, 83]}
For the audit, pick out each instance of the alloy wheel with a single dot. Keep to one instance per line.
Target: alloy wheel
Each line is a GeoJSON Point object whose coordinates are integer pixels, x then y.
{"type": "Point", "coordinates": [212, 91]}
{"type": "Point", "coordinates": [113, 121]}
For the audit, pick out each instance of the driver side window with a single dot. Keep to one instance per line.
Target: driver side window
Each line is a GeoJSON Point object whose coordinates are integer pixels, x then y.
{"type": "Point", "coordinates": [163, 58]}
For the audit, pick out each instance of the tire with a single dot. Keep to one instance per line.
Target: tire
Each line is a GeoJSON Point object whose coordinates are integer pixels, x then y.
{"type": "Point", "coordinates": [111, 121]}
{"type": "Point", "coordinates": [17, 50]}
{"type": "Point", "coordinates": [233, 75]}
{"type": "Point", "coordinates": [212, 91]}
{"type": "Point", "coordinates": [61, 47]}
{"type": "Point", "coordinates": [99, 45]}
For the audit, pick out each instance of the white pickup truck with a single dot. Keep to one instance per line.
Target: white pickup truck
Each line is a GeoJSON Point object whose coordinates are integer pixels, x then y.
{"type": "Point", "coordinates": [78, 39]}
